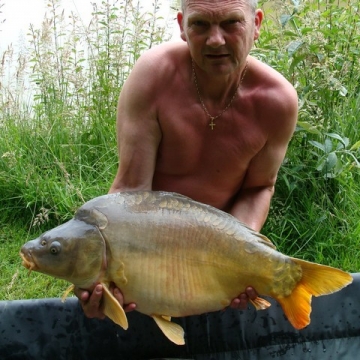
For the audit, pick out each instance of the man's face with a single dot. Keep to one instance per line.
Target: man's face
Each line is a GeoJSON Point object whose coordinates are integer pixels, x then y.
{"type": "Point", "coordinates": [219, 33]}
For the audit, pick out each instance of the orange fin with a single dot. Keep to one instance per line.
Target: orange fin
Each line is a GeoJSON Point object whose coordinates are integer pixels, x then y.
{"type": "Point", "coordinates": [260, 304]}
{"type": "Point", "coordinates": [172, 331]}
{"type": "Point", "coordinates": [297, 307]}
{"type": "Point", "coordinates": [112, 308]}
{"type": "Point", "coordinates": [322, 280]}
{"type": "Point", "coordinates": [316, 280]}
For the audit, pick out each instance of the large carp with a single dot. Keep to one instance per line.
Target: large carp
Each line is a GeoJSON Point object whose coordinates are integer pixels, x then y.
{"type": "Point", "coordinates": [173, 256]}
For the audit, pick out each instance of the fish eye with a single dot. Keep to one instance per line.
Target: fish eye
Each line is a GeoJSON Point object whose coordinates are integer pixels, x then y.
{"type": "Point", "coordinates": [55, 248]}
{"type": "Point", "coordinates": [43, 242]}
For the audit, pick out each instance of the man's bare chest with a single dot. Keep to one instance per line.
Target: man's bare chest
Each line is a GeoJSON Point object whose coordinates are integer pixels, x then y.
{"type": "Point", "coordinates": [190, 145]}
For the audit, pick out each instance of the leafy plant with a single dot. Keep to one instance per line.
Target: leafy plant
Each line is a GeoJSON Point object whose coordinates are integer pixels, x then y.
{"type": "Point", "coordinates": [333, 158]}
{"type": "Point", "coordinates": [315, 208]}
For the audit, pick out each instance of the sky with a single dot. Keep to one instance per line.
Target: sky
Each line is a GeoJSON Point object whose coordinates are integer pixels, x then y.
{"type": "Point", "coordinates": [19, 14]}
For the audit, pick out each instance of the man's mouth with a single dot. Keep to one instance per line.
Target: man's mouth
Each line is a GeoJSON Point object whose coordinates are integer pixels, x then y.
{"type": "Point", "coordinates": [217, 56]}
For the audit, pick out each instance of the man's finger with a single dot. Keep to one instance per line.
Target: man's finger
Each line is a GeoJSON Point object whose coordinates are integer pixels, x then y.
{"type": "Point", "coordinates": [251, 293]}
{"type": "Point", "coordinates": [119, 297]}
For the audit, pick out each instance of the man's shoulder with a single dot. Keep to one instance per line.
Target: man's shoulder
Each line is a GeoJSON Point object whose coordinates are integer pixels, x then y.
{"type": "Point", "coordinates": [277, 96]}
{"type": "Point", "coordinates": [271, 86]}
{"type": "Point", "coordinates": [167, 56]}
{"type": "Point", "coordinates": [159, 66]}
{"type": "Point", "coordinates": [169, 48]}
{"type": "Point", "coordinates": [269, 76]}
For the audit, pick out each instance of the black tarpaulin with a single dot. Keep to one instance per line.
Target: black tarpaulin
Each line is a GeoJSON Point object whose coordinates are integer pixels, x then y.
{"type": "Point", "coordinates": [49, 329]}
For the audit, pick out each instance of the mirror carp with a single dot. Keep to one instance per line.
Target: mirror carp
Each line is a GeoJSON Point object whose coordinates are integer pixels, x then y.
{"type": "Point", "coordinates": [175, 257]}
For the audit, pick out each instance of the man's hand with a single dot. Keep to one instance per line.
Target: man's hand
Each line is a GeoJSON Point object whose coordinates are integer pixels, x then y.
{"type": "Point", "coordinates": [241, 302]}
{"type": "Point", "coordinates": [90, 300]}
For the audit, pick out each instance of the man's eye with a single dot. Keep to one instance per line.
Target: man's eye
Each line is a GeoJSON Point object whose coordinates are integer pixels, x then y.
{"type": "Point", "coordinates": [199, 23]}
{"type": "Point", "coordinates": [231, 22]}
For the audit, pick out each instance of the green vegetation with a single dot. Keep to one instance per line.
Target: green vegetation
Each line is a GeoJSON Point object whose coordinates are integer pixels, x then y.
{"type": "Point", "coordinates": [58, 145]}
{"type": "Point", "coordinates": [315, 213]}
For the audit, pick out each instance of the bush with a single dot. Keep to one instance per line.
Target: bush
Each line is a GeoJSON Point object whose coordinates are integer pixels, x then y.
{"type": "Point", "coordinates": [315, 210]}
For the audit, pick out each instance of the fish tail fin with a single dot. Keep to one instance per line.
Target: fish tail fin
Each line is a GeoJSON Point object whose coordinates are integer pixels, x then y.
{"type": "Point", "coordinates": [316, 280]}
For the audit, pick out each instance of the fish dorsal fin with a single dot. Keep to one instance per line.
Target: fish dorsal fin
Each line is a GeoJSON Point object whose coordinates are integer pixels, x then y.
{"type": "Point", "coordinates": [112, 309]}
{"type": "Point", "coordinates": [172, 331]}
{"type": "Point", "coordinates": [264, 240]}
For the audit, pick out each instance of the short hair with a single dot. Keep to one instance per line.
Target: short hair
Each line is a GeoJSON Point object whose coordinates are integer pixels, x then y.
{"type": "Point", "coordinates": [252, 3]}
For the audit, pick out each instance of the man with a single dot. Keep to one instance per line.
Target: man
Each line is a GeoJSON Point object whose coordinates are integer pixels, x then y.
{"type": "Point", "coordinates": [205, 119]}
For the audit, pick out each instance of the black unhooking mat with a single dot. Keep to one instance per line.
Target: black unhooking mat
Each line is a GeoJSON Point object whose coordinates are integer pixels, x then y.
{"type": "Point", "coordinates": [48, 329]}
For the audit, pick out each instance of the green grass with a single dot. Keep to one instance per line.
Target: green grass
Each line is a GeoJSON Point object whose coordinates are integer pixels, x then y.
{"type": "Point", "coordinates": [59, 149]}
{"type": "Point", "coordinates": [15, 281]}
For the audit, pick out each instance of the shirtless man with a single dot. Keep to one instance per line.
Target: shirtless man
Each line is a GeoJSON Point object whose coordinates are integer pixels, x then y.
{"type": "Point", "coordinates": [205, 119]}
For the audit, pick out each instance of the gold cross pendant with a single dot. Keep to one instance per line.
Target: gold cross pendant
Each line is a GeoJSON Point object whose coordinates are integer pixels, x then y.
{"type": "Point", "coordinates": [212, 124]}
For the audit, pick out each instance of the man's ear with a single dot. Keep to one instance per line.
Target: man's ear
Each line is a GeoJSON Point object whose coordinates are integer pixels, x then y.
{"type": "Point", "coordinates": [180, 19]}
{"type": "Point", "coordinates": [259, 16]}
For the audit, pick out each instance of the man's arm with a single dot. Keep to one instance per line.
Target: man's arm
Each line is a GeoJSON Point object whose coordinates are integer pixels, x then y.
{"type": "Point", "coordinates": [138, 136]}
{"type": "Point", "coordinates": [138, 130]}
{"type": "Point", "coordinates": [252, 203]}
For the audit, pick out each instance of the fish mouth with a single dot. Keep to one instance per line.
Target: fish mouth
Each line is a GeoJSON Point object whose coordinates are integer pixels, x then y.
{"type": "Point", "coordinates": [28, 263]}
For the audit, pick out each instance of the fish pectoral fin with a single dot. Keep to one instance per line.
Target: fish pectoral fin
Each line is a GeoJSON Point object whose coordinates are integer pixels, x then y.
{"type": "Point", "coordinates": [260, 304]}
{"type": "Point", "coordinates": [67, 292]}
{"type": "Point", "coordinates": [120, 273]}
{"type": "Point", "coordinates": [172, 331]}
{"type": "Point", "coordinates": [112, 309]}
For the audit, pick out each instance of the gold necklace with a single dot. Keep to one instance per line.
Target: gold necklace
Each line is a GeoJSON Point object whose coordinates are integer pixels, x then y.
{"type": "Point", "coordinates": [212, 118]}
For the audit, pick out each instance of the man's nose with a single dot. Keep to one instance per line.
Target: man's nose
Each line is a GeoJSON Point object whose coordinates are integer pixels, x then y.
{"type": "Point", "coordinates": [215, 37]}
